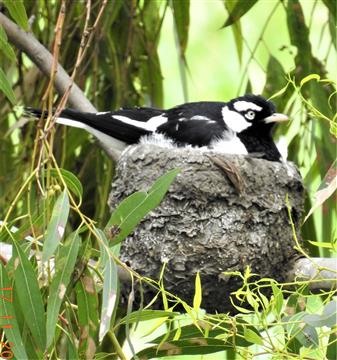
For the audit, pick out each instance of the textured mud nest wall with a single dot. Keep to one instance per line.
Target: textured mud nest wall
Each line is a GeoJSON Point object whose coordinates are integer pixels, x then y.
{"type": "Point", "coordinates": [205, 224]}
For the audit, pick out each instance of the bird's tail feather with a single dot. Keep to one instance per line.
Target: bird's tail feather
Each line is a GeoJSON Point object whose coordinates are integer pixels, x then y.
{"type": "Point", "coordinates": [96, 125]}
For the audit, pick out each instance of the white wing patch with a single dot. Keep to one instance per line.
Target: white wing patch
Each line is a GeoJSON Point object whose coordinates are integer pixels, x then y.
{"type": "Point", "coordinates": [246, 105]}
{"type": "Point", "coordinates": [151, 125]}
{"type": "Point", "coordinates": [199, 117]}
{"type": "Point", "coordinates": [234, 120]}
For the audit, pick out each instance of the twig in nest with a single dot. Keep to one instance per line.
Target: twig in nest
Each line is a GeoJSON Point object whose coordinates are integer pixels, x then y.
{"type": "Point", "coordinates": [232, 172]}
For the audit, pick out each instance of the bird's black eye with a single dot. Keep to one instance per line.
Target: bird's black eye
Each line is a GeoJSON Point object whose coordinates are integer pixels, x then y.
{"type": "Point", "coordinates": [250, 115]}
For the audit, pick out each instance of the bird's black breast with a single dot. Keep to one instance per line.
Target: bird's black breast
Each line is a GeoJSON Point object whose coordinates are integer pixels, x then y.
{"type": "Point", "coordinates": [263, 145]}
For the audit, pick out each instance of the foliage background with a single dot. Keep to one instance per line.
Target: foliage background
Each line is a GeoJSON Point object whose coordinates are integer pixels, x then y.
{"type": "Point", "coordinates": [161, 54]}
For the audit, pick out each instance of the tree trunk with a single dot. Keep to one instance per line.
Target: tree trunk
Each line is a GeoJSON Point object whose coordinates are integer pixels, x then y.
{"type": "Point", "coordinates": [222, 213]}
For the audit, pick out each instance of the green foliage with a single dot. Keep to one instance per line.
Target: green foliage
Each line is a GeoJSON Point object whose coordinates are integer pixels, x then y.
{"type": "Point", "coordinates": [70, 306]}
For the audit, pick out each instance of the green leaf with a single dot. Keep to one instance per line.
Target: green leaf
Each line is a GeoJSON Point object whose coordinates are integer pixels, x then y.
{"type": "Point", "coordinates": [8, 317]}
{"type": "Point", "coordinates": [72, 182]}
{"type": "Point", "coordinates": [144, 315]}
{"type": "Point", "coordinates": [236, 28]}
{"type": "Point", "coordinates": [252, 337]}
{"type": "Point", "coordinates": [299, 36]}
{"type": "Point", "coordinates": [328, 318]}
{"type": "Point", "coordinates": [193, 346]}
{"type": "Point", "coordinates": [110, 285]}
{"type": "Point", "coordinates": [125, 207]}
{"type": "Point", "coordinates": [140, 205]}
{"type": "Point", "coordinates": [276, 86]}
{"type": "Point", "coordinates": [6, 88]}
{"type": "Point", "coordinates": [308, 336]}
{"type": "Point", "coordinates": [65, 263]}
{"type": "Point", "coordinates": [5, 48]}
{"type": "Point", "coordinates": [181, 15]}
{"type": "Point", "coordinates": [234, 333]}
{"type": "Point", "coordinates": [56, 226]}
{"type": "Point", "coordinates": [331, 352]}
{"type": "Point", "coordinates": [278, 299]}
{"type": "Point", "coordinates": [29, 295]}
{"type": "Point", "coordinates": [18, 12]}
{"type": "Point", "coordinates": [197, 299]}
{"type": "Point", "coordinates": [238, 9]}
{"type": "Point", "coordinates": [87, 302]}
{"type": "Point", "coordinates": [330, 314]}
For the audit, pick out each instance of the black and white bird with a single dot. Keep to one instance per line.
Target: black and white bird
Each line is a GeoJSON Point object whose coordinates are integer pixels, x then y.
{"type": "Point", "coordinates": [240, 126]}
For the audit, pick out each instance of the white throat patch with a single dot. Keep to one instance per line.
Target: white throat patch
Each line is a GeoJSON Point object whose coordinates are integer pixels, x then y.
{"type": "Point", "coordinates": [246, 105]}
{"type": "Point", "coordinates": [234, 120]}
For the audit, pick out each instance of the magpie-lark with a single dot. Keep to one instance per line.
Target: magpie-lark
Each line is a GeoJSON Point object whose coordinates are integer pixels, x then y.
{"type": "Point", "coordinates": [240, 126]}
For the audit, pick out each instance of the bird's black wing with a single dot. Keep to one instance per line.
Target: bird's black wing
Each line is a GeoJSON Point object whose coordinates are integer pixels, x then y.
{"type": "Point", "coordinates": [197, 124]}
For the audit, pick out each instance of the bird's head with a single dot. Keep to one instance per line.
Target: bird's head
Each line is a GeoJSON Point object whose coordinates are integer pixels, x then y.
{"type": "Point", "coordinates": [250, 111]}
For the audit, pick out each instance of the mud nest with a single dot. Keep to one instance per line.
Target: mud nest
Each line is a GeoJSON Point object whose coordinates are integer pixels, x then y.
{"type": "Point", "coordinates": [222, 213]}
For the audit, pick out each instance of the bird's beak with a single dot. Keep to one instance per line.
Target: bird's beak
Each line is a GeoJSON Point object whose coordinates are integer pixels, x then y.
{"type": "Point", "coordinates": [276, 117]}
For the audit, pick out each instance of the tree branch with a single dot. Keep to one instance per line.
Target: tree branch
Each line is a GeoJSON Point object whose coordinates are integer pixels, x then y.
{"type": "Point", "coordinates": [43, 59]}
{"type": "Point", "coordinates": [321, 273]}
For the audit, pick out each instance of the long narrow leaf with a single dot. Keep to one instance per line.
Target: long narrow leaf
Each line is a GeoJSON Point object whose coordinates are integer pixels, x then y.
{"type": "Point", "coordinates": [65, 262]}
{"type": "Point", "coordinates": [109, 296]}
{"type": "Point", "coordinates": [142, 208]}
{"type": "Point", "coordinates": [5, 87]}
{"type": "Point", "coordinates": [5, 48]}
{"type": "Point", "coordinates": [238, 9]}
{"type": "Point", "coordinates": [71, 180]}
{"type": "Point", "coordinates": [8, 317]}
{"type": "Point", "coordinates": [88, 321]}
{"type": "Point", "coordinates": [56, 226]}
{"type": "Point", "coordinates": [29, 295]}
{"type": "Point", "coordinates": [18, 12]}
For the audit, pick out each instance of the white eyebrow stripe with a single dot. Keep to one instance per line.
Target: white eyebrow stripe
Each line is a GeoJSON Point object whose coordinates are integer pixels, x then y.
{"type": "Point", "coordinates": [246, 105]}
{"type": "Point", "coordinates": [151, 125]}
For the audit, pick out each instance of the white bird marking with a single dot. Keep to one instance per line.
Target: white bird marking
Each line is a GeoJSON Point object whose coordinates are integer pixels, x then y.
{"type": "Point", "coordinates": [102, 112]}
{"type": "Point", "coordinates": [151, 125]}
{"type": "Point", "coordinates": [246, 105]}
{"type": "Point", "coordinates": [282, 147]}
{"type": "Point", "coordinates": [199, 117]}
{"type": "Point", "coordinates": [157, 139]}
{"type": "Point", "coordinates": [231, 145]}
{"type": "Point", "coordinates": [107, 140]}
{"type": "Point", "coordinates": [234, 120]}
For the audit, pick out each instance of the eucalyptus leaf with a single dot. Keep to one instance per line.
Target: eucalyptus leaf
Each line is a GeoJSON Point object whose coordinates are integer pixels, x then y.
{"type": "Point", "coordinates": [18, 12]}
{"type": "Point", "coordinates": [238, 8]}
{"type": "Point", "coordinates": [65, 262]}
{"type": "Point", "coordinates": [6, 88]}
{"type": "Point", "coordinates": [29, 296]}
{"type": "Point", "coordinates": [8, 318]}
{"type": "Point", "coordinates": [56, 226]}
